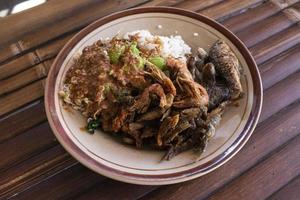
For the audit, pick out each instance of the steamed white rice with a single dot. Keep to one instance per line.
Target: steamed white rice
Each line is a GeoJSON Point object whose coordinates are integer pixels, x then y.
{"type": "Point", "coordinates": [173, 46]}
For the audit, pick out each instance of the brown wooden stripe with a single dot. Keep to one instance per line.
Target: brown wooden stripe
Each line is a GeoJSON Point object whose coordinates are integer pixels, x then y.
{"type": "Point", "coordinates": [121, 191]}
{"type": "Point", "coordinates": [280, 67]}
{"type": "Point", "coordinates": [276, 44]}
{"type": "Point", "coordinates": [21, 97]}
{"type": "Point", "coordinates": [162, 3]}
{"type": "Point", "coordinates": [9, 51]}
{"type": "Point", "coordinates": [272, 174]}
{"type": "Point", "coordinates": [26, 145]}
{"type": "Point", "coordinates": [21, 120]}
{"type": "Point", "coordinates": [20, 80]}
{"type": "Point", "coordinates": [251, 16]}
{"type": "Point", "coordinates": [34, 170]}
{"type": "Point", "coordinates": [19, 64]}
{"type": "Point", "coordinates": [228, 8]}
{"type": "Point", "coordinates": [75, 22]}
{"type": "Point", "coordinates": [290, 191]}
{"type": "Point", "coordinates": [32, 58]}
{"type": "Point", "coordinates": [289, 93]}
{"type": "Point", "coordinates": [283, 4]}
{"type": "Point", "coordinates": [197, 5]}
{"type": "Point", "coordinates": [264, 29]}
{"type": "Point", "coordinates": [293, 14]}
{"type": "Point", "coordinates": [52, 49]}
{"type": "Point", "coordinates": [72, 182]}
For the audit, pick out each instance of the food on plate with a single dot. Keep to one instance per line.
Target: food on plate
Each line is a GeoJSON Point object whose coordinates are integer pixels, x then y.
{"type": "Point", "coordinates": [152, 91]}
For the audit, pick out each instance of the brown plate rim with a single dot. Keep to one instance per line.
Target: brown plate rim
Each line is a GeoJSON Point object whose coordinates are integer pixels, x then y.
{"type": "Point", "coordinates": [91, 163]}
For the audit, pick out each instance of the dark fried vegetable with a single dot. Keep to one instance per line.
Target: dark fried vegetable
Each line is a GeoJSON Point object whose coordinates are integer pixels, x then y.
{"type": "Point", "coordinates": [148, 132]}
{"type": "Point", "coordinates": [151, 115]}
{"type": "Point", "coordinates": [215, 86]}
{"type": "Point", "coordinates": [197, 76]}
{"type": "Point", "coordinates": [181, 126]}
{"type": "Point", "coordinates": [209, 76]}
{"type": "Point", "coordinates": [93, 124]}
{"type": "Point", "coordinates": [189, 113]}
{"type": "Point", "coordinates": [166, 114]}
{"type": "Point", "coordinates": [227, 65]}
{"type": "Point", "coordinates": [181, 146]}
{"type": "Point", "coordinates": [202, 59]}
{"type": "Point", "coordinates": [161, 78]}
{"type": "Point", "coordinates": [167, 125]}
{"type": "Point", "coordinates": [202, 54]}
{"type": "Point", "coordinates": [196, 95]}
{"type": "Point", "coordinates": [143, 103]}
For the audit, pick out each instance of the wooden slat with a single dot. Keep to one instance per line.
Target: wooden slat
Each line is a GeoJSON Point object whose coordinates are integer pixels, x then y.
{"type": "Point", "coordinates": [271, 174]}
{"type": "Point", "coordinates": [30, 59]}
{"type": "Point", "coordinates": [110, 189]}
{"type": "Point", "coordinates": [290, 191]}
{"type": "Point", "coordinates": [197, 5]}
{"type": "Point", "coordinates": [283, 4]}
{"type": "Point", "coordinates": [288, 93]}
{"type": "Point", "coordinates": [19, 64]}
{"type": "Point", "coordinates": [9, 52]}
{"type": "Point", "coordinates": [71, 183]}
{"type": "Point", "coordinates": [32, 74]}
{"type": "Point", "coordinates": [276, 44]}
{"type": "Point", "coordinates": [26, 145]}
{"type": "Point", "coordinates": [21, 97]}
{"type": "Point", "coordinates": [162, 3]}
{"type": "Point", "coordinates": [250, 17]}
{"type": "Point", "coordinates": [228, 8]}
{"type": "Point", "coordinates": [264, 29]}
{"type": "Point", "coordinates": [23, 119]}
{"type": "Point", "coordinates": [34, 170]}
{"type": "Point", "coordinates": [52, 49]}
{"type": "Point", "coordinates": [47, 14]}
{"type": "Point", "coordinates": [280, 67]}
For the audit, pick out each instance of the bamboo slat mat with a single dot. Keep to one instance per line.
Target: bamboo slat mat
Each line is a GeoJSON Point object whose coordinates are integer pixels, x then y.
{"type": "Point", "coordinates": [33, 164]}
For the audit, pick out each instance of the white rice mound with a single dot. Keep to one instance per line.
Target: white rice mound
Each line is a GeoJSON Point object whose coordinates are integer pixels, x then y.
{"type": "Point", "coordinates": [173, 46]}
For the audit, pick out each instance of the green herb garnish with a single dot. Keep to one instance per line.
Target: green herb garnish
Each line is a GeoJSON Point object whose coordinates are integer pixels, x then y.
{"type": "Point", "coordinates": [158, 62]}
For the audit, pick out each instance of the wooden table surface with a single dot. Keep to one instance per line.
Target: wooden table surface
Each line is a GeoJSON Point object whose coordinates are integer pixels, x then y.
{"type": "Point", "coordinates": [34, 165]}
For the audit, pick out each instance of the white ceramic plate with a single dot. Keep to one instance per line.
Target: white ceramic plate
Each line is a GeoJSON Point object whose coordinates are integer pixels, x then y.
{"type": "Point", "coordinates": [105, 155]}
